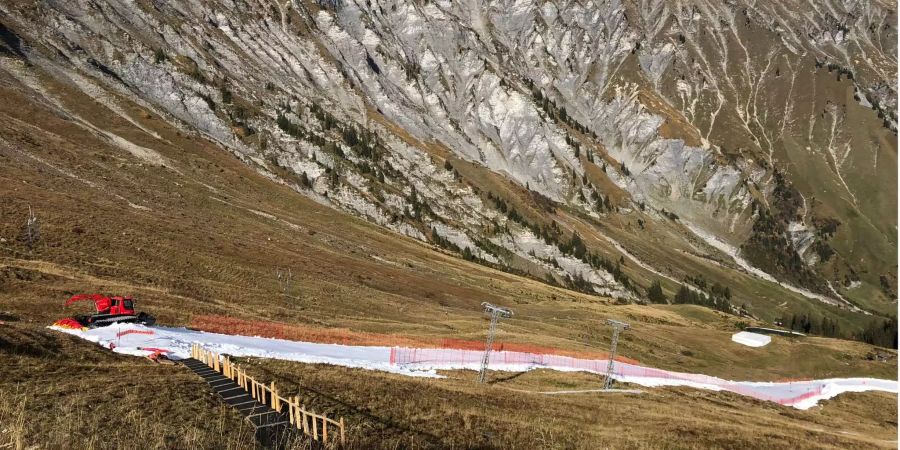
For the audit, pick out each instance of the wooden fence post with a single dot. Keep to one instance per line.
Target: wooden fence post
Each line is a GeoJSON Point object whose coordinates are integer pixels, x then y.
{"type": "Point", "coordinates": [274, 396]}
{"type": "Point", "coordinates": [305, 424]}
{"type": "Point", "coordinates": [290, 412]}
{"type": "Point", "coordinates": [298, 415]}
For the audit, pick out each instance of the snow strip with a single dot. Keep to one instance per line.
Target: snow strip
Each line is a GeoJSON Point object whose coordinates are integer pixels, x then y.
{"type": "Point", "coordinates": [425, 362]}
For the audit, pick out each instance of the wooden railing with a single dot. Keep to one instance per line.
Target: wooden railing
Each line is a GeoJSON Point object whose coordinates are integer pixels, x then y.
{"type": "Point", "coordinates": [317, 426]}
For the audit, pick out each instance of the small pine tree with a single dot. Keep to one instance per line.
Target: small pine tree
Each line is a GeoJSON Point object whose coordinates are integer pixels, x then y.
{"type": "Point", "coordinates": [683, 296]}
{"type": "Point", "coordinates": [655, 293]}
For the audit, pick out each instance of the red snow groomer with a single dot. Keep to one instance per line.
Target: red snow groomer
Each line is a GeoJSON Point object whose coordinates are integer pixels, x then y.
{"type": "Point", "coordinates": [110, 310]}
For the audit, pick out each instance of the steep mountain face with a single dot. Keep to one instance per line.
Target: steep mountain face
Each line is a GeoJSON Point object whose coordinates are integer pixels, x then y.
{"type": "Point", "coordinates": [602, 145]}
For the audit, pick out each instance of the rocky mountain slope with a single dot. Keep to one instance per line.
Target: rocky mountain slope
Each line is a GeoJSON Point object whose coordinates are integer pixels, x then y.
{"type": "Point", "coordinates": [746, 150]}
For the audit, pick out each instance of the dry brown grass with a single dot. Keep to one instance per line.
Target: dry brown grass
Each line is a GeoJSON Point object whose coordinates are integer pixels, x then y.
{"type": "Point", "coordinates": [201, 248]}
{"type": "Point", "coordinates": [59, 393]}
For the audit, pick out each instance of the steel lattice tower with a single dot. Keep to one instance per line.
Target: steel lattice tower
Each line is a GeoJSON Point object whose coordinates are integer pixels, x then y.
{"type": "Point", "coordinates": [618, 326]}
{"type": "Point", "coordinates": [496, 313]}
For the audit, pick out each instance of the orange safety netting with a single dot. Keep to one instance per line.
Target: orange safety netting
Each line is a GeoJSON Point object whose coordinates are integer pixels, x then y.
{"type": "Point", "coordinates": [528, 348]}
{"type": "Point", "coordinates": [232, 325]}
{"type": "Point", "coordinates": [126, 332]}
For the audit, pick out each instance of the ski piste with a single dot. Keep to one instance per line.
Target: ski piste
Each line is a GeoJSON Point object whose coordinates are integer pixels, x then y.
{"type": "Point", "coordinates": [175, 343]}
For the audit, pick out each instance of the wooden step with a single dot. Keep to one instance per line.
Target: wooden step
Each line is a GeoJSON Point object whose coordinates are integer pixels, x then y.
{"type": "Point", "coordinates": [272, 428]}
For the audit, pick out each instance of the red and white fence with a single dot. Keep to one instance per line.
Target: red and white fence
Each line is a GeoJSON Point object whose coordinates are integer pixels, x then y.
{"type": "Point", "coordinates": [447, 358]}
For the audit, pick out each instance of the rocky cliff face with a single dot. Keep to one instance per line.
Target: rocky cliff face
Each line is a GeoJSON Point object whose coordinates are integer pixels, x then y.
{"type": "Point", "coordinates": [597, 144]}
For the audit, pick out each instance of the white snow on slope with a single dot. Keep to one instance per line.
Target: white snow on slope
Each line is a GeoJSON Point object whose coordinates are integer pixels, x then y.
{"type": "Point", "coordinates": [425, 362]}
{"type": "Point", "coordinates": [178, 342]}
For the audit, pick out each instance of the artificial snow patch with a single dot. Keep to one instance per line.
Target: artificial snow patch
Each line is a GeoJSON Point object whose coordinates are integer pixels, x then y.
{"type": "Point", "coordinates": [751, 339]}
{"type": "Point", "coordinates": [178, 342]}
{"type": "Point", "coordinates": [134, 339]}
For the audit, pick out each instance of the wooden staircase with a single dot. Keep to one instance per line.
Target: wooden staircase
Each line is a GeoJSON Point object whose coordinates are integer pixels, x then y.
{"type": "Point", "coordinates": [271, 427]}
{"type": "Point", "coordinates": [277, 420]}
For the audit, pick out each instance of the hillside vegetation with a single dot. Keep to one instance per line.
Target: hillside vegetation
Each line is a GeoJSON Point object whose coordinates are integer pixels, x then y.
{"type": "Point", "coordinates": [164, 155]}
{"type": "Point", "coordinates": [601, 147]}
{"type": "Point", "coordinates": [207, 235]}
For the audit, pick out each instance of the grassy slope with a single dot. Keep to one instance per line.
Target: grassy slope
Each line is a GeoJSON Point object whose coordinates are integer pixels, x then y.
{"type": "Point", "coordinates": [60, 393]}
{"type": "Point", "coordinates": [201, 248]}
